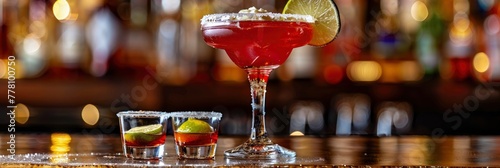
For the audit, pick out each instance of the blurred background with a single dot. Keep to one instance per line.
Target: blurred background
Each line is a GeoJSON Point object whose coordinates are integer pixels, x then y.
{"type": "Point", "coordinates": [398, 67]}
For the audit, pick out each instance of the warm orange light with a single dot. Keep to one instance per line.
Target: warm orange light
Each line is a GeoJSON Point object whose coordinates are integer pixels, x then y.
{"type": "Point", "coordinates": [419, 11]}
{"type": "Point", "coordinates": [60, 146]}
{"type": "Point", "coordinates": [364, 71]}
{"type": "Point", "coordinates": [461, 31]}
{"type": "Point", "coordinates": [410, 71]}
{"type": "Point", "coordinates": [297, 133]}
{"type": "Point", "coordinates": [90, 114]}
{"type": "Point", "coordinates": [60, 143]}
{"type": "Point", "coordinates": [22, 113]}
{"type": "Point", "coordinates": [481, 62]}
{"type": "Point", "coordinates": [4, 70]}
{"type": "Point", "coordinates": [391, 71]}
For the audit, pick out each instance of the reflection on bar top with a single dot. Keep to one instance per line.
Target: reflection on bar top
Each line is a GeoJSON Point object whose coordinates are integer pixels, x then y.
{"type": "Point", "coordinates": [92, 150]}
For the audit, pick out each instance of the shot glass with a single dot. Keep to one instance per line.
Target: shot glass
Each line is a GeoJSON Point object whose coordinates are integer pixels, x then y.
{"type": "Point", "coordinates": [195, 134]}
{"type": "Point", "coordinates": [143, 133]}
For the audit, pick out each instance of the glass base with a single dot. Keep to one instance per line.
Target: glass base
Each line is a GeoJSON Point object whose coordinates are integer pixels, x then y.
{"type": "Point", "coordinates": [256, 150]}
{"type": "Point", "coordinates": [145, 152]}
{"type": "Point", "coordinates": [196, 152]}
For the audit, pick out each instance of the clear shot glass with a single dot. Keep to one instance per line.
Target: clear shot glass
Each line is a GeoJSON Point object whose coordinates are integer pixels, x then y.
{"type": "Point", "coordinates": [143, 133]}
{"type": "Point", "coordinates": [195, 133]}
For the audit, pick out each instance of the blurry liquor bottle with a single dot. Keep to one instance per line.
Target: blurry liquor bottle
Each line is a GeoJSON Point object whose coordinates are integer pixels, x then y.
{"type": "Point", "coordinates": [131, 46]}
{"type": "Point", "coordinates": [102, 32]}
{"type": "Point", "coordinates": [491, 35]}
{"type": "Point", "coordinates": [390, 42]}
{"type": "Point", "coordinates": [349, 44]}
{"type": "Point", "coordinates": [166, 18]}
{"type": "Point", "coordinates": [392, 45]}
{"type": "Point", "coordinates": [69, 47]}
{"type": "Point", "coordinates": [196, 58]}
{"type": "Point", "coordinates": [6, 48]}
{"type": "Point", "coordinates": [26, 34]}
{"type": "Point", "coordinates": [429, 39]}
{"type": "Point", "coordinates": [459, 47]}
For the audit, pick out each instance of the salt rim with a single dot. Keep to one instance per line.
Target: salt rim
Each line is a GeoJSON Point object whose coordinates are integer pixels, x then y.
{"type": "Point", "coordinates": [196, 114]}
{"type": "Point", "coordinates": [233, 17]}
{"type": "Point", "coordinates": [141, 113]}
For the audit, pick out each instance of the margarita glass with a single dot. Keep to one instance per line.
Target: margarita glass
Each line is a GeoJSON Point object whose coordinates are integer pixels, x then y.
{"type": "Point", "coordinates": [257, 43]}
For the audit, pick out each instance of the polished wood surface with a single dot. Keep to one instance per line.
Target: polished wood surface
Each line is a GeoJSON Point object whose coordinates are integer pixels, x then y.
{"type": "Point", "coordinates": [327, 151]}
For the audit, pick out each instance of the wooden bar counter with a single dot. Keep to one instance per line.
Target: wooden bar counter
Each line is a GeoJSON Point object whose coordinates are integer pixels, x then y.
{"type": "Point", "coordinates": [99, 150]}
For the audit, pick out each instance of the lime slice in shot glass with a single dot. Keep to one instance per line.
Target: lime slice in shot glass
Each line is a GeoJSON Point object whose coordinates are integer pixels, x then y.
{"type": "Point", "coordinates": [143, 134]}
{"type": "Point", "coordinates": [193, 125]}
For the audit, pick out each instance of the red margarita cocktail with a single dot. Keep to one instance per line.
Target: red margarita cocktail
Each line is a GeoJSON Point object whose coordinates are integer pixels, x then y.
{"type": "Point", "coordinates": [253, 44]}
{"type": "Point", "coordinates": [257, 43]}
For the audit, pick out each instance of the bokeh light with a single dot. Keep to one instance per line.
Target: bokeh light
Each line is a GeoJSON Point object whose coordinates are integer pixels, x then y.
{"type": "Point", "coordinates": [31, 44]}
{"type": "Point", "coordinates": [61, 9]}
{"type": "Point", "coordinates": [389, 7]}
{"type": "Point", "coordinates": [492, 24]}
{"type": "Point", "coordinates": [364, 71]}
{"type": "Point", "coordinates": [90, 114]}
{"type": "Point", "coordinates": [419, 11]}
{"type": "Point", "coordinates": [3, 68]}
{"type": "Point", "coordinates": [297, 133]}
{"type": "Point", "coordinates": [461, 32]}
{"type": "Point", "coordinates": [22, 113]}
{"type": "Point", "coordinates": [171, 6]}
{"type": "Point", "coordinates": [481, 62]}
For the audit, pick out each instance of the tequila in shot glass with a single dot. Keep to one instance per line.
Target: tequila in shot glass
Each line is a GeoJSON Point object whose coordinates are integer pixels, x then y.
{"type": "Point", "coordinates": [195, 134]}
{"type": "Point", "coordinates": [143, 133]}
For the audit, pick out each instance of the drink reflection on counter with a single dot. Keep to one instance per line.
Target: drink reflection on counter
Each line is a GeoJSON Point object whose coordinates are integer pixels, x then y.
{"type": "Point", "coordinates": [306, 118]}
{"type": "Point", "coordinates": [60, 147]}
{"type": "Point", "coordinates": [394, 118]}
{"type": "Point", "coordinates": [353, 114]}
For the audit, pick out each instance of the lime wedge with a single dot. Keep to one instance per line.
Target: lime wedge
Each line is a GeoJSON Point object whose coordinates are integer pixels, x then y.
{"type": "Point", "coordinates": [143, 134]}
{"type": "Point", "coordinates": [327, 23]}
{"type": "Point", "coordinates": [195, 126]}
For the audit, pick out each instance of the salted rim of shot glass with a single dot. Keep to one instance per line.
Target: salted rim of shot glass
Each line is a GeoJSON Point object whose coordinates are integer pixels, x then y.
{"type": "Point", "coordinates": [138, 113]}
{"type": "Point", "coordinates": [196, 114]}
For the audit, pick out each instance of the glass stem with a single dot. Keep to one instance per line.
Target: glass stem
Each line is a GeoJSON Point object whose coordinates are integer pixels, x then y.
{"type": "Point", "coordinates": [258, 80]}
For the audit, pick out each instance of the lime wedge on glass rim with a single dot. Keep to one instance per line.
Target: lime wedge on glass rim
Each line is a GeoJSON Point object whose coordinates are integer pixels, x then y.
{"type": "Point", "coordinates": [143, 134]}
{"type": "Point", "coordinates": [195, 126]}
{"type": "Point", "coordinates": [326, 15]}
